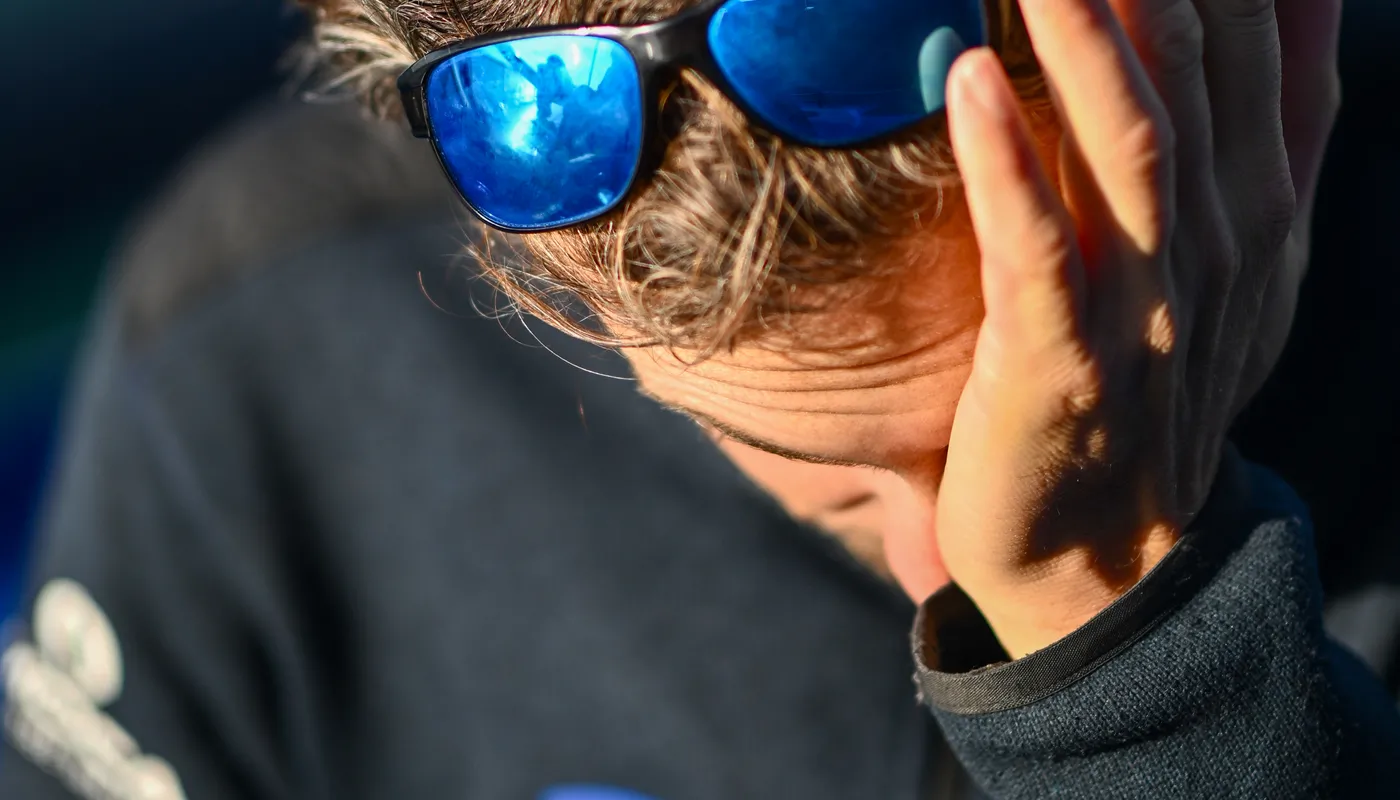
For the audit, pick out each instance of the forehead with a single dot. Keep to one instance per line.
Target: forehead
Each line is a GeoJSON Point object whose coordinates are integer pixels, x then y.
{"type": "Point", "coordinates": [874, 385]}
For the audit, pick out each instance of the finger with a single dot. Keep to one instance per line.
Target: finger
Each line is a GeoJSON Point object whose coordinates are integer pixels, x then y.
{"type": "Point", "coordinates": [1244, 73]}
{"type": "Point", "coordinates": [1032, 279]}
{"type": "Point", "coordinates": [1170, 40]}
{"type": "Point", "coordinates": [1112, 110]}
{"type": "Point", "coordinates": [1244, 68]}
{"type": "Point", "coordinates": [1169, 36]}
{"type": "Point", "coordinates": [1311, 91]}
{"type": "Point", "coordinates": [1121, 296]}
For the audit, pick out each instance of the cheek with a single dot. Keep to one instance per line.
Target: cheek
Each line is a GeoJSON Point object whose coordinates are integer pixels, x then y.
{"type": "Point", "coordinates": [911, 545]}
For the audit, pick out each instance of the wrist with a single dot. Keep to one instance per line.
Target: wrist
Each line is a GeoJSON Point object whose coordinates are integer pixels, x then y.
{"type": "Point", "coordinates": [1029, 612]}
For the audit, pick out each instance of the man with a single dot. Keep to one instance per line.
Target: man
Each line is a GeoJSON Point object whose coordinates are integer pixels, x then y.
{"type": "Point", "coordinates": [315, 538]}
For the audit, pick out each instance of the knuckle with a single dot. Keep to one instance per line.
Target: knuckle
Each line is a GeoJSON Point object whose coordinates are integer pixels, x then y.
{"type": "Point", "coordinates": [1040, 246]}
{"type": "Point", "coordinates": [1178, 38]}
{"type": "Point", "coordinates": [1052, 240]}
{"type": "Point", "coordinates": [1146, 147]}
{"type": "Point", "coordinates": [1146, 151]}
{"type": "Point", "coordinates": [1276, 216]}
{"type": "Point", "coordinates": [1263, 213]}
{"type": "Point", "coordinates": [1249, 13]}
{"type": "Point", "coordinates": [1213, 227]}
{"type": "Point", "coordinates": [1081, 382]}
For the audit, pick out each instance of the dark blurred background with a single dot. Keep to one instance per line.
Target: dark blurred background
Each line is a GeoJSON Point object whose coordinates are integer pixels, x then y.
{"type": "Point", "coordinates": [99, 101]}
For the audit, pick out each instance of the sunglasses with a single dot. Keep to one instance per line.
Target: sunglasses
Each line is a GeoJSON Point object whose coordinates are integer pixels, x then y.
{"type": "Point", "coordinates": [546, 128]}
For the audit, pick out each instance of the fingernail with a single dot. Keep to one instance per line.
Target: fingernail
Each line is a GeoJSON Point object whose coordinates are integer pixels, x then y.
{"type": "Point", "coordinates": [977, 83]}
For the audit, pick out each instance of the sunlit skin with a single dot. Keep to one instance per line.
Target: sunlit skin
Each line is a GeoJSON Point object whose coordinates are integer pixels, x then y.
{"type": "Point", "coordinates": [1036, 404]}
{"type": "Point", "coordinates": [829, 426]}
{"type": "Point", "coordinates": [846, 418]}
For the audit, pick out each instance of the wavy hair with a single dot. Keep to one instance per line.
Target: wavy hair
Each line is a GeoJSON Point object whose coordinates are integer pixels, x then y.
{"type": "Point", "coordinates": [736, 232]}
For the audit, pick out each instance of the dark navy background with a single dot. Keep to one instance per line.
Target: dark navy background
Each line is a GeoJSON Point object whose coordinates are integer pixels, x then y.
{"type": "Point", "coordinates": [100, 100]}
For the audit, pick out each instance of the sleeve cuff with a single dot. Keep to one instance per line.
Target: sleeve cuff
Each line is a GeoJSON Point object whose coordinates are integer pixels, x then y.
{"type": "Point", "coordinates": [962, 668]}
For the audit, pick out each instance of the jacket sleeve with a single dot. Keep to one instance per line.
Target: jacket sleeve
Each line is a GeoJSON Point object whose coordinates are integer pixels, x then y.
{"type": "Point", "coordinates": [1211, 678]}
{"type": "Point", "coordinates": [156, 661]}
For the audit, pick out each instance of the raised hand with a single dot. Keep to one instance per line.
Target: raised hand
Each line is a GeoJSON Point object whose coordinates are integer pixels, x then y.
{"type": "Point", "coordinates": [1134, 304]}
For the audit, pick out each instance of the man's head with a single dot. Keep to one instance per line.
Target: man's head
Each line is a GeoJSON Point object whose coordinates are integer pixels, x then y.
{"type": "Point", "coordinates": [815, 309]}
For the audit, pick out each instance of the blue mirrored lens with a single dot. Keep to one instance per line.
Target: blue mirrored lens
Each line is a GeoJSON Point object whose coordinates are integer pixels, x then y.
{"type": "Point", "coordinates": [837, 72]}
{"type": "Point", "coordinates": [539, 132]}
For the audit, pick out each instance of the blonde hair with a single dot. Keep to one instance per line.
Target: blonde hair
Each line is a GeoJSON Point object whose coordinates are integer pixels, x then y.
{"type": "Point", "coordinates": [735, 231]}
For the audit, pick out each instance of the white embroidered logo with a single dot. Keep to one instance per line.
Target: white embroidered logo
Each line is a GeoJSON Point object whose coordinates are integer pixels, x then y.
{"type": "Point", "coordinates": [74, 635]}
{"type": "Point", "coordinates": [55, 689]}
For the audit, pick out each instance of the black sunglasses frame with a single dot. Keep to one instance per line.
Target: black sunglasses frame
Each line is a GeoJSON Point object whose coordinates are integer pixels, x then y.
{"type": "Point", "coordinates": [660, 51]}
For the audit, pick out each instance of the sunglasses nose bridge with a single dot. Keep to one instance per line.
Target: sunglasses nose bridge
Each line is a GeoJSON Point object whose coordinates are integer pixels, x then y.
{"type": "Point", "coordinates": [674, 43]}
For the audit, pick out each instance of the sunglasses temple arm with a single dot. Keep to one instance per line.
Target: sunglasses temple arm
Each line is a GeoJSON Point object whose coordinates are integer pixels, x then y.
{"type": "Point", "coordinates": [414, 107]}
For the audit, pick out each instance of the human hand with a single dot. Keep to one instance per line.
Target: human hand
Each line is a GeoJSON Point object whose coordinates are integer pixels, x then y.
{"type": "Point", "coordinates": [1131, 312]}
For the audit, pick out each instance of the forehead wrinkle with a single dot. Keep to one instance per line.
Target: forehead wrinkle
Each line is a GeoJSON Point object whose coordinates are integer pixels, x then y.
{"type": "Point", "coordinates": [886, 361]}
{"type": "Point", "coordinates": [876, 348]}
{"type": "Point", "coordinates": [851, 403]}
{"type": "Point", "coordinates": [892, 372]}
{"type": "Point", "coordinates": [818, 385]}
{"type": "Point", "coordinates": [835, 402]}
{"type": "Point", "coordinates": [865, 430]}
{"type": "Point", "coordinates": [790, 362]}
